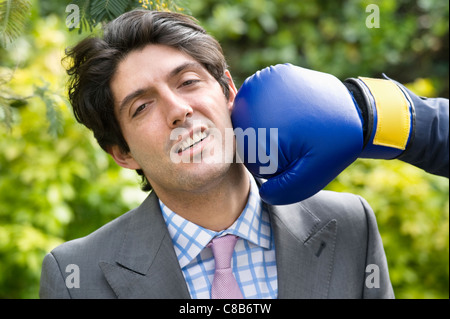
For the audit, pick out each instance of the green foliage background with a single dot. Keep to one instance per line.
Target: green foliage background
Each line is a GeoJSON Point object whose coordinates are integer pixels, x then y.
{"type": "Point", "coordinates": [56, 184]}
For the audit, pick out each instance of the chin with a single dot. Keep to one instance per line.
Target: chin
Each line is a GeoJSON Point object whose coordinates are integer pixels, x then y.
{"type": "Point", "coordinates": [203, 176]}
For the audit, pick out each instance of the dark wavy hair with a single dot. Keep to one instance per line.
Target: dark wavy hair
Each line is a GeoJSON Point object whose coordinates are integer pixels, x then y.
{"type": "Point", "coordinates": [94, 60]}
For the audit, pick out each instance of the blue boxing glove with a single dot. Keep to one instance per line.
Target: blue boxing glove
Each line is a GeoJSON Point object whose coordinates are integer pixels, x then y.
{"type": "Point", "coordinates": [314, 126]}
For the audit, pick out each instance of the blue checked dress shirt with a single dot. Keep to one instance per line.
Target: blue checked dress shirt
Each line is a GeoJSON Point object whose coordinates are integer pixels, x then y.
{"type": "Point", "coordinates": [253, 259]}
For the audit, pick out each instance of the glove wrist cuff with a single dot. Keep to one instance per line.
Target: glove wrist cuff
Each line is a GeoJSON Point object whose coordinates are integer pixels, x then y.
{"type": "Point", "coordinates": [364, 106]}
{"type": "Point", "coordinates": [390, 117]}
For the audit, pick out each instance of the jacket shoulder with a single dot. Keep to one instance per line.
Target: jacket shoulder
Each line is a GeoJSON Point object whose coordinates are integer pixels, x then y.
{"type": "Point", "coordinates": [344, 207]}
{"type": "Point", "coordinates": [97, 245]}
{"type": "Point", "coordinates": [350, 213]}
{"type": "Point", "coordinates": [79, 258]}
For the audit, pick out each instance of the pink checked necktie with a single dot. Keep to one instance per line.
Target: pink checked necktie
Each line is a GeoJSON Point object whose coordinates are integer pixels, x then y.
{"type": "Point", "coordinates": [224, 284]}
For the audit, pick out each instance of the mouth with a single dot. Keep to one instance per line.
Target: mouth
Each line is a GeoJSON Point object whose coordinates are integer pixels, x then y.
{"type": "Point", "coordinates": [192, 141]}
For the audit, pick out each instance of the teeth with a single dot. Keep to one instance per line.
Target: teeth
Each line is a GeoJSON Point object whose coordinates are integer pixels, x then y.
{"type": "Point", "coordinates": [189, 142]}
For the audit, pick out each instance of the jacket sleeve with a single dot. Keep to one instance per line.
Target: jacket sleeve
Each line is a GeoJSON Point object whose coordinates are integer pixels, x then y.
{"type": "Point", "coordinates": [52, 284]}
{"type": "Point", "coordinates": [377, 283]}
{"type": "Point", "coordinates": [429, 147]}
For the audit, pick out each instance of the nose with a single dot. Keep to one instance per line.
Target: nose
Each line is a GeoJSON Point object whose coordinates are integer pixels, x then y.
{"type": "Point", "coordinates": [177, 109]}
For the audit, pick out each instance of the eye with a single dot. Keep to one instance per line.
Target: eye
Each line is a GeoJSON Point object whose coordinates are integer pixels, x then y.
{"type": "Point", "coordinates": [189, 82]}
{"type": "Point", "coordinates": [140, 109]}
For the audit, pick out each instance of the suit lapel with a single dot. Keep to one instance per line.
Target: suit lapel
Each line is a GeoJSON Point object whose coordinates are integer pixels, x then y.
{"type": "Point", "coordinates": [304, 251]}
{"type": "Point", "coordinates": [146, 264]}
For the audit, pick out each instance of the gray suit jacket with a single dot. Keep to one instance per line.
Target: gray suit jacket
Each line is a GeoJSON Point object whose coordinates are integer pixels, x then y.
{"type": "Point", "coordinates": [323, 246]}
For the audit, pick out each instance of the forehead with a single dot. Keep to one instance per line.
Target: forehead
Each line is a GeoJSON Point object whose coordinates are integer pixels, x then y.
{"type": "Point", "coordinates": [151, 61]}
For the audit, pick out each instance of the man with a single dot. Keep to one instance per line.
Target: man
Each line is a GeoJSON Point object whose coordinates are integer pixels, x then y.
{"type": "Point", "coordinates": [154, 74]}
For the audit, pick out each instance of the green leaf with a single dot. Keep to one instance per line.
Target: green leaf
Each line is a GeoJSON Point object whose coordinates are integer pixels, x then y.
{"type": "Point", "coordinates": [102, 10]}
{"type": "Point", "coordinates": [85, 19]}
{"type": "Point", "coordinates": [13, 14]}
{"type": "Point", "coordinates": [5, 113]}
{"type": "Point", "coordinates": [8, 101]}
{"type": "Point", "coordinates": [53, 115]}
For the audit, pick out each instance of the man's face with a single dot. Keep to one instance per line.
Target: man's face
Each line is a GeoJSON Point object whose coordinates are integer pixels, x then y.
{"type": "Point", "coordinates": [168, 105]}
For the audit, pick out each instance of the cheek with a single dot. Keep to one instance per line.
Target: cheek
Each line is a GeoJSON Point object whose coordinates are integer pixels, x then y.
{"type": "Point", "coordinates": [217, 108]}
{"type": "Point", "coordinates": [144, 141]}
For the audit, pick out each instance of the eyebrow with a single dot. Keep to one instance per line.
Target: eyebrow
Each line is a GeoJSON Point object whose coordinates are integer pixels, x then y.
{"type": "Point", "coordinates": [139, 92]}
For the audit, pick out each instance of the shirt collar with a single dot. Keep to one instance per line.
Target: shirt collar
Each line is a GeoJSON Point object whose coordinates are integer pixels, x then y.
{"type": "Point", "coordinates": [190, 239]}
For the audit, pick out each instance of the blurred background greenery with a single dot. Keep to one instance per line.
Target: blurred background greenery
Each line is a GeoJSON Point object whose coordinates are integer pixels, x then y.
{"type": "Point", "coordinates": [56, 183]}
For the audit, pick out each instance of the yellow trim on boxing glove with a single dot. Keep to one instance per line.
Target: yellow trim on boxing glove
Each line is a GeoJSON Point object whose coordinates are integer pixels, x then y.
{"type": "Point", "coordinates": [393, 115]}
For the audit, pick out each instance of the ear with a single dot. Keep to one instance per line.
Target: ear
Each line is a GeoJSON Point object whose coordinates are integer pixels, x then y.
{"type": "Point", "coordinates": [123, 159]}
{"type": "Point", "coordinates": [233, 91]}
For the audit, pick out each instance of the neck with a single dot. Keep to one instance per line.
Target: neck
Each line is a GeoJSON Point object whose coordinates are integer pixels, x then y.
{"type": "Point", "coordinates": [218, 206]}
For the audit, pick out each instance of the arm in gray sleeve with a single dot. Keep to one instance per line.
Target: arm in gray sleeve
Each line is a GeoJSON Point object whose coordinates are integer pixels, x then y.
{"type": "Point", "coordinates": [52, 285]}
